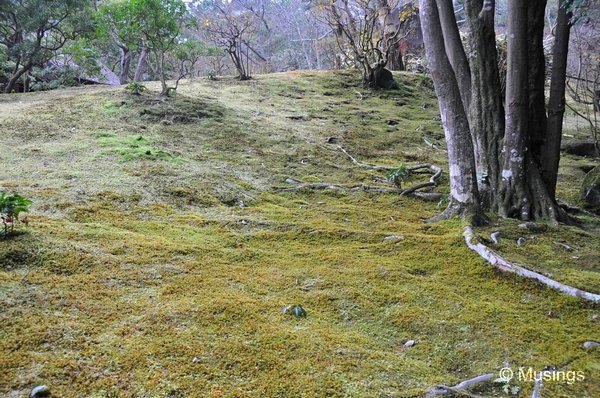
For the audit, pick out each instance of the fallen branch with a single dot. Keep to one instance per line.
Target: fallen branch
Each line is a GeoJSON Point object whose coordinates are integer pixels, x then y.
{"type": "Point", "coordinates": [430, 196]}
{"type": "Point", "coordinates": [437, 172]}
{"type": "Point", "coordinates": [365, 165]}
{"type": "Point", "coordinates": [460, 388]}
{"type": "Point", "coordinates": [497, 261]}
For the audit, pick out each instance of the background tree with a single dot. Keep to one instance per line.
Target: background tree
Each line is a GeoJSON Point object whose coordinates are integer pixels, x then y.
{"type": "Point", "coordinates": [366, 36]}
{"type": "Point", "coordinates": [161, 24]}
{"type": "Point", "coordinates": [116, 22]}
{"type": "Point", "coordinates": [31, 30]}
{"type": "Point", "coordinates": [231, 27]}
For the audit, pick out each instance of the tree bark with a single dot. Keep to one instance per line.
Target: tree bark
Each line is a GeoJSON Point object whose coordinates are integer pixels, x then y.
{"type": "Point", "coordinates": [536, 79]}
{"type": "Point", "coordinates": [486, 114]}
{"type": "Point", "coordinates": [464, 197]}
{"type": "Point", "coordinates": [12, 82]}
{"type": "Point", "coordinates": [556, 102]}
{"type": "Point", "coordinates": [455, 51]}
{"type": "Point", "coordinates": [125, 65]}
{"type": "Point", "coordinates": [394, 53]}
{"type": "Point", "coordinates": [512, 187]}
{"type": "Point", "coordinates": [522, 192]}
{"type": "Point", "coordinates": [139, 69]}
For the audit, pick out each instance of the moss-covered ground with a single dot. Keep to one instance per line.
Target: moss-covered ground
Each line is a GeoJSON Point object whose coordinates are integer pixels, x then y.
{"type": "Point", "coordinates": [163, 245]}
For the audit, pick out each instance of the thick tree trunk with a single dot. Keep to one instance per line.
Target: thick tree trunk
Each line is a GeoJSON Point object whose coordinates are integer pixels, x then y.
{"type": "Point", "coordinates": [556, 102]}
{"type": "Point", "coordinates": [522, 192]}
{"type": "Point", "coordinates": [486, 115]}
{"type": "Point", "coordinates": [125, 65]}
{"type": "Point", "coordinates": [139, 68]}
{"type": "Point", "coordinates": [514, 195]}
{"type": "Point", "coordinates": [536, 79]}
{"type": "Point", "coordinates": [464, 197]}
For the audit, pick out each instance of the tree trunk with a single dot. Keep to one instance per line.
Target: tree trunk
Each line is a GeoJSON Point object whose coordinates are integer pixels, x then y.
{"type": "Point", "coordinates": [464, 197]}
{"type": "Point", "coordinates": [556, 102]}
{"type": "Point", "coordinates": [125, 65]}
{"type": "Point", "coordinates": [455, 51]}
{"type": "Point", "coordinates": [139, 69]}
{"type": "Point", "coordinates": [536, 79]}
{"type": "Point", "coordinates": [394, 53]}
{"type": "Point", "coordinates": [522, 192]}
{"type": "Point", "coordinates": [514, 196]}
{"type": "Point", "coordinates": [12, 82]}
{"type": "Point", "coordinates": [486, 113]}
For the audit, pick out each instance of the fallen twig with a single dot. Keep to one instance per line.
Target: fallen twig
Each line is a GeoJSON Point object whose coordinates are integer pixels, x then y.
{"type": "Point", "coordinates": [497, 261]}
{"type": "Point", "coordinates": [460, 388]}
{"type": "Point", "coordinates": [430, 196]}
{"type": "Point", "coordinates": [437, 172]}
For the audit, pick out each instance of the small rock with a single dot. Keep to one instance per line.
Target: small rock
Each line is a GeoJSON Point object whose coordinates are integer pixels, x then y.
{"type": "Point", "coordinates": [393, 237]}
{"type": "Point", "coordinates": [195, 360]}
{"type": "Point", "coordinates": [591, 344]}
{"type": "Point", "coordinates": [565, 246]}
{"type": "Point", "coordinates": [520, 241]}
{"type": "Point", "coordinates": [533, 226]}
{"type": "Point", "coordinates": [332, 140]}
{"type": "Point", "coordinates": [590, 189]}
{"type": "Point", "coordinates": [495, 237]}
{"type": "Point", "coordinates": [40, 392]}
{"type": "Point", "coordinates": [292, 181]}
{"type": "Point", "coordinates": [409, 344]}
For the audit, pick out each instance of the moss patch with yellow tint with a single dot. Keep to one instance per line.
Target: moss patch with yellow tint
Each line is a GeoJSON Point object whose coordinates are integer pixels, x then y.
{"type": "Point", "coordinates": [151, 277]}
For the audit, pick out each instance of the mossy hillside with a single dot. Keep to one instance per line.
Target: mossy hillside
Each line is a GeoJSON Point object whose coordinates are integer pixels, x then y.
{"type": "Point", "coordinates": [145, 277]}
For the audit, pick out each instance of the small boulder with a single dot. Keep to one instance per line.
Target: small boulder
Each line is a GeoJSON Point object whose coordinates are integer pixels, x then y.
{"type": "Point", "coordinates": [590, 189]}
{"type": "Point", "coordinates": [533, 227]}
{"type": "Point", "coordinates": [384, 78]}
{"type": "Point", "coordinates": [580, 148]}
{"type": "Point", "coordinates": [591, 344]}
{"type": "Point", "coordinates": [409, 344]}
{"type": "Point", "coordinates": [520, 241]}
{"type": "Point", "coordinates": [40, 392]}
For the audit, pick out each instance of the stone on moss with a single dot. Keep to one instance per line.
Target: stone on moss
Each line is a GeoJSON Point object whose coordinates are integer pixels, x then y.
{"type": "Point", "coordinates": [590, 190]}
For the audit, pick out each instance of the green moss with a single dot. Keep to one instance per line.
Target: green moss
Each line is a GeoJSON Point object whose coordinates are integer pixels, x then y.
{"type": "Point", "coordinates": [148, 278]}
{"type": "Point", "coordinates": [132, 147]}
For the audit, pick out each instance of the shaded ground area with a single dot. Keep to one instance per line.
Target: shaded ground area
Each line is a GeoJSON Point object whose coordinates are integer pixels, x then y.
{"type": "Point", "coordinates": [163, 246]}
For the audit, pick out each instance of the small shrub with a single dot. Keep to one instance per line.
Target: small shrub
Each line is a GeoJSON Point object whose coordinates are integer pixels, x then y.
{"type": "Point", "coordinates": [136, 88]}
{"type": "Point", "coordinates": [211, 74]}
{"type": "Point", "coordinates": [10, 208]}
{"type": "Point", "coordinates": [398, 175]}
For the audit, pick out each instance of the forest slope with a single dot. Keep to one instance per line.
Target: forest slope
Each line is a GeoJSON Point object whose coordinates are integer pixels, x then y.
{"type": "Point", "coordinates": [164, 241]}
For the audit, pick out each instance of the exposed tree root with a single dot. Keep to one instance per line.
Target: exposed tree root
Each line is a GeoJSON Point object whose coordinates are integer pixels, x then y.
{"type": "Point", "coordinates": [437, 172]}
{"type": "Point", "coordinates": [460, 388]}
{"type": "Point", "coordinates": [429, 196]}
{"type": "Point", "coordinates": [497, 261]}
{"type": "Point", "coordinates": [464, 211]}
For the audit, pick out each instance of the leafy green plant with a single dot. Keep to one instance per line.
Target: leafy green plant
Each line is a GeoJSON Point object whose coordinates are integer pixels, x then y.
{"type": "Point", "coordinates": [10, 208]}
{"type": "Point", "coordinates": [506, 386]}
{"type": "Point", "coordinates": [212, 74]}
{"type": "Point", "coordinates": [398, 175]}
{"type": "Point", "coordinates": [295, 310]}
{"type": "Point", "coordinates": [136, 88]}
